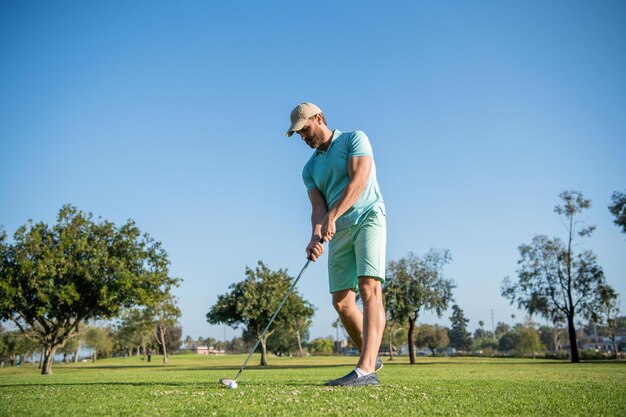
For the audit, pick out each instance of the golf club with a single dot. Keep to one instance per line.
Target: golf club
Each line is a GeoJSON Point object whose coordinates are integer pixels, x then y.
{"type": "Point", "coordinates": [232, 383]}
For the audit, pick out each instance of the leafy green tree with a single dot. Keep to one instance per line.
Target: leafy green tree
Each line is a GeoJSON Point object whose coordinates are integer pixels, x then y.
{"type": "Point", "coordinates": [173, 339]}
{"type": "Point", "coordinates": [502, 329]}
{"type": "Point", "coordinates": [432, 336]}
{"type": "Point", "coordinates": [551, 337]}
{"type": "Point", "coordinates": [416, 284]}
{"type": "Point", "coordinates": [460, 338]}
{"type": "Point", "coordinates": [70, 347]}
{"type": "Point", "coordinates": [135, 329]}
{"type": "Point", "coordinates": [508, 342]}
{"type": "Point", "coordinates": [297, 321]}
{"type": "Point", "coordinates": [555, 281]}
{"type": "Point", "coordinates": [393, 336]}
{"type": "Point", "coordinates": [607, 314]}
{"type": "Point", "coordinates": [322, 346]}
{"type": "Point", "coordinates": [99, 339]}
{"type": "Point", "coordinates": [282, 342]}
{"type": "Point", "coordinates": [14, 345]}
{"type": "Point", "coordinates": [528, 341]}
{"type": "Point", "coordinates": [238, 345]}
{"type": "Point", "coordinates": [164, 313]}
{"type": "Point", "coordinates": [252, 302]}
{"type": "Point", "coordinates": [54, 278]}
{"type": "Point", "coordinates": [337, 325]}
{"type": "Point", "coordinates": [618, 209]}
{"type": "Point", "coordinates": [189, 342]}
{"type": "Point", "coordinates": [209, 342]}
{"type": "Point", "coordinates": [484, 340]}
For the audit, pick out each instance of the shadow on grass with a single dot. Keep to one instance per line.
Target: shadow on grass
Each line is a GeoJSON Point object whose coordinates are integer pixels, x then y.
{"type": "Point", "coordinates": [177, 368]}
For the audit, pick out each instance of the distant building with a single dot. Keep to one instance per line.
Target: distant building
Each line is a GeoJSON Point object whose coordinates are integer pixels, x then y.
{"type": "Point", "coordinates": [600, 344]}
{"type": "Point", "coordinates": [204, 350]}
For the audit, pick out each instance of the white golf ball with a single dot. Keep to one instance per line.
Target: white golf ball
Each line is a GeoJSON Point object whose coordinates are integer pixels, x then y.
{"type": "Point", "coordinates": [232, 384]}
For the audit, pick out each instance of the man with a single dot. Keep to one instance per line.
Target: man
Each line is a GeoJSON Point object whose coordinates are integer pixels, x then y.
{"type": "Point", "coordinates": [349, 213]}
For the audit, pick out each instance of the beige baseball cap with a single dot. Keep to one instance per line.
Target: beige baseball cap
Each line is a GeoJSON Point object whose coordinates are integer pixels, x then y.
{"type": "Point", "coordinates": [300, 114]}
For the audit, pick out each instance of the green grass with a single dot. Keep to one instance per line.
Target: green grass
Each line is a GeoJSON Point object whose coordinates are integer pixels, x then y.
{"type": "Point", "coordinates": [294, 387]}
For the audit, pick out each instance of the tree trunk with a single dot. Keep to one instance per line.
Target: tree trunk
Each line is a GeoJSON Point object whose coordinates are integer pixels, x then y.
{"type": "Point", "coordinates": [614, 335]}
{"type": "Point", "coordinates": [41, 358]}
{"type": "Point", "coordinates": [264, 351]}
{"type": "Point", "coordinates": [47, 363]}
{"type": "Point", "coordinates": [299, 344]}
{"type": "Point", "coordinates": [410, 340]}
{"type": "Point", "coordinates": [76, 356]}
{"type": "Point", "coordinates": [390, 345]}
{"type": "Point", "coordinates": [573, 344]}
{"type": "Point", "coordinates": [162, 333]}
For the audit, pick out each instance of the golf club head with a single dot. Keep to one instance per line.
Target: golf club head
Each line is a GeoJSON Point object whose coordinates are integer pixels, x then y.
{"type": "Point", "coordinates": [225, 381]}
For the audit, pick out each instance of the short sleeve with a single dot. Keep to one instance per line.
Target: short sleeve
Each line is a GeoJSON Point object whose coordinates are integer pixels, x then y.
{"type": "Point", "coordinates": [359, 145]}
{"type": "Point", "coordinates": [307, 178]}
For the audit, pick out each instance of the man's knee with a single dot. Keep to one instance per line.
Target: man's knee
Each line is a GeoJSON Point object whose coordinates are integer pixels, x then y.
{"type": "Point", "coordinates": [370, 288]}
{"type": "Point", "coordinates": [344, 301]}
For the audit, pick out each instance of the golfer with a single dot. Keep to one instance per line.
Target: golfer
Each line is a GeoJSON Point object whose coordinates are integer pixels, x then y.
{"type": "Point", "coordinates": [349, 213]}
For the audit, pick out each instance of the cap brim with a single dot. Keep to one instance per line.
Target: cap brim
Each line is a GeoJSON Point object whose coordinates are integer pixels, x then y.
{"type": "Point", "coordinates": [296, 126]}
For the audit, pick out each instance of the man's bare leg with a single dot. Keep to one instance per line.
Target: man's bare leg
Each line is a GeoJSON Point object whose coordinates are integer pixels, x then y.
{"type": "Point", "coordinates": [365, 329]}
{"type": "Point", "coordinates": [373, 321]}
{"type": "Point", "coordinates": [351, 317]}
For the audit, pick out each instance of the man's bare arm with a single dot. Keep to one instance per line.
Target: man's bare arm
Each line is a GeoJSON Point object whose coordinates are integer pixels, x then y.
{"type": "Point", "coordinates": [319, 210]}
{"type": "Point", "coordinates": [359, 168]}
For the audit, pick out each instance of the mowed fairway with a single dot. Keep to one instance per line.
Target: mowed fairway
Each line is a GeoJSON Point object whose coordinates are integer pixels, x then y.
{"type": "Point", "coordinates": [294, 387]}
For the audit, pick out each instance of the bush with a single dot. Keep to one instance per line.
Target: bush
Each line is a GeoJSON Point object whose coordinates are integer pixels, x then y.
{"type": "Point", "coordinates": [591, 354]}
{"type": "Point", "coordinates": [322, 347]}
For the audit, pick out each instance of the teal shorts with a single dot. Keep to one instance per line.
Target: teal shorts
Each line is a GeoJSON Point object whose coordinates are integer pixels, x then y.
{"type": "Point", "coordinates": [358, 251]}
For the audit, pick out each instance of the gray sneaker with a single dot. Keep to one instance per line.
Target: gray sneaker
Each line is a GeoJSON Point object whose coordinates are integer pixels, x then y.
{"type": "Point", "coordinates": [379, 365]}
{"type": "Point", "coordinates": [353, 380]}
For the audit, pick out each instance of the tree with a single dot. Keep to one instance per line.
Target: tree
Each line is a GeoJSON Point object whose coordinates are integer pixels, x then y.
{"type": "Point", "coordinates": [393, 336]}
{"type": "Point", "coordinates": [484, 339]}
{"type": "Point", "coordinates": [337, 324]}
{"type": "Point", "coordinates": [460, 338]}
{"type": "Point", "coordinates": [173, 339]}
{"type": "Point", "coordinates": [528, 341]}
{"type": "Point", "coordinates": [502, 329]}
{"type": "Point", "coordinates": [189, 342]}
{"type": "Point", "coordinates": [54, 278]}
{"type": "Point", "coordinates": [618, 209]}
{"type": "Point", "coordinates": [99, 339]}
{"type": "Point", "coordinates": [508, 342]}
{"type": "Point", "coordinates": [164, 313]}
{"type": "Point", "coordinates": [414, 284]}
{"type": "Point", "coordinates": [135, 329]}
{"type": "Point", "coordinates": [433, 337]}
{"type": "Point", "coordinates": [252, 302]}
{"type": "Point", "coordinates": [14, 346]}
{"type": "Point", "coordinates": [70, 347]}
{"type": "Point", "coordinates": [553, 280]}
{"type": "Point", "coordinates": [298, 317]}
{"type": "Point", "coordinates": [608, 313]}
{"type": "Point", "coordinates": [551, 337]}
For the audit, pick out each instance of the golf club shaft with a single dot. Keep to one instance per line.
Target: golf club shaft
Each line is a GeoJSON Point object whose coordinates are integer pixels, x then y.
{"type": "Point", "coordinates": [273, 317]}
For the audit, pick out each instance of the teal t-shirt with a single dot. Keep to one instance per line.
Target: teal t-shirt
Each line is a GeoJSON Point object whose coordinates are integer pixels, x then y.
{"type": "Point", "coordinates": [328, 172]}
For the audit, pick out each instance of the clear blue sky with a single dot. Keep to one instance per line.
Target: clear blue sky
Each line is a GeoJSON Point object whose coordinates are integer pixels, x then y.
{"type": "Point", "coordinates": [173, 114]}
